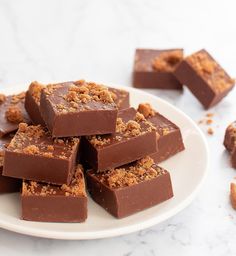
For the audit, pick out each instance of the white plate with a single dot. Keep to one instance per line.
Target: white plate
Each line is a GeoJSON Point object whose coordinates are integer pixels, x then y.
{"type": "Point", "coordinates": [188, 170]}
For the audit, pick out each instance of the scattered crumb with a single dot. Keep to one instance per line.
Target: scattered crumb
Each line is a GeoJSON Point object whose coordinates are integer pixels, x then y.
{"type": "Point", "coordinates": [14, 115]}
{"type": "Point", "coordinates": [143, 170]}
{"type": "Point", "coordinates": [146, 109]}
{"type": "Point", "coordinates": [210, 131]}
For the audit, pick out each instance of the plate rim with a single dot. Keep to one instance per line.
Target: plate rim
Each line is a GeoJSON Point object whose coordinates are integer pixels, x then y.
{"type": "Point", "coordinates": [114, 232]}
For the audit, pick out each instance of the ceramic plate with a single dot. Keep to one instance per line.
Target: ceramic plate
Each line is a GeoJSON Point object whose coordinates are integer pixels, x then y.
{"type": "Point", "coordinates": [187, 172]}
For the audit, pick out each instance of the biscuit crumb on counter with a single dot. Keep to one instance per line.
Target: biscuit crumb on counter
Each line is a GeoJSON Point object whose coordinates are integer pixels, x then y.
{"type": "Point", "coordinates": [210, 131]}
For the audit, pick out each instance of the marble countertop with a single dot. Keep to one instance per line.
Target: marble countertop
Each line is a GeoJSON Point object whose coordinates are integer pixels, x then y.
{"type": "Point", "coordinates": [66, 40]}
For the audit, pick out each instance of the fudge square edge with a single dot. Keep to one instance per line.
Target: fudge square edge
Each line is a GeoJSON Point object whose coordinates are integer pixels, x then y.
{"type": "Point", "coordinates": [77, 109]}
{"type": "Point", "coordinates": [205, 78]}
{"type": "Point", "coordinates": [131, 188]}
{"type": "Point", "coordinates": [50, 203]}
{"type": "Point", "coordinates": [33, 155]}
{"type": "Point", "coordinates": [135, 138]}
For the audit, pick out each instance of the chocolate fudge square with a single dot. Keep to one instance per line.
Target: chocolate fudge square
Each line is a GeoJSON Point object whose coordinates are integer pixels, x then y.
{"type": "Point", "coordinates": [131, 188]}
{"type": "Point", "coordinates": [120, 97]}
{"type": "Point", "coordinates": [134, 138]}
{"type": "Point", "coordinates": [32, 102]}
{"type": "Point", "coordinates": [205, 78]}
{"type": "Point", "coordinates": [7, 184]}
{"type": "Point", "coordinates": [230, 137]}
{"type": "Point", "coordinates": [154, 68]}
{"type": "Point", "coordinates": [79, 108]}
{"type": "Point", "coordinates": [170, 140]}
{"type": "Point", "coordinates": [33, 155]}
{"type": "Point", "coordinates": [50, 203]}
{"type": "Point", "coordinates": [12, 112]}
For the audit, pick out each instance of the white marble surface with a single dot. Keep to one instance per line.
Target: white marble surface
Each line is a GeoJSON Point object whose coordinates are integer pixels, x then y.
{"type": "Point", "coordinates": [66, 40]}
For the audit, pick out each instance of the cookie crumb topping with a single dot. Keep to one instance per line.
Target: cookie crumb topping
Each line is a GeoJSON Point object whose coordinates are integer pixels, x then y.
{"type": "Point", "coordinates": [143, 170]}
{"type": "Point", "coordinates": [167, 61]}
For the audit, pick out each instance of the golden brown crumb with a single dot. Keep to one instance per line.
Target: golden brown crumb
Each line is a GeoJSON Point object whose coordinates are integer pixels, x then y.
{"type": "Point", "coordinates": [35, 89]}
{"type": "Point", "coordinates": [209, 114]}
{"type": "Point", "coordinates": [143, 170]}
{"type": "Point", "coordinates": [23, 127]}
{"type": "Point", "coordinates": [50, 147]}
{"type": "Point", "coordinates": [209, 121]}
{"type": "Point", "coordinates": [146, 109]}
{"type": "Point", "coordinates": [14, 115]}
{"type": "Point", "coordinates": [2, 98]}
{"type": "Point", "coordinates": [17, 98]}
{"type": "Point", "coordinates": [167, 61]}
{"type": "Point", "coordinates": [210, 131]}
{"type": "Point", "coordinates": [233, 195]}
{"type": "Point", "coordinates": [31, 150]}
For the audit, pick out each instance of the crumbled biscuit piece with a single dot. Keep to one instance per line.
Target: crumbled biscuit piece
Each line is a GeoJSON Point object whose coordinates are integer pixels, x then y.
{"type": "Point", "coordinates": [233, 195]}
{"type": "Point", "coordinates": [35, 89]}
{"type": "Point", "coordinates": [2, 98]}
{"type": "Point", "coordinates": [209, 121]}
{"type": "Point", "coordinates": [14, 115]}
{"type": "Point", "coordinates": [17, 98]}
{"type": "Point", "coordinates": [50, 147]}
{"type": "Point", "coordinates": [146, 109]}
{"type": "Point", "coordinates": [167, 61]}
{"type": "Point", "coordinates": [23, 127]}
{"type": "Point", "coordinates": [210, 131]}
{"type": "Point", "coordinates": [144, 169]}
{"type": "Point", "coordinates": [31, 150]}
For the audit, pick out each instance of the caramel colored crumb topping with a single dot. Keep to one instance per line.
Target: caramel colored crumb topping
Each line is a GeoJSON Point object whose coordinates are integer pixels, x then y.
{"type": "Point", "coordinates": [14, 114]}
{"type": "Point", "coordinates": [35, 89]}
{"type": "Point", "coordinates": [143, 170]}
{"type": "Point", "coordinates": [2, 98]}
{"type": "Point", "coordinates": [88, 92]}
{"type": "Point", "coordinates": [132, 128]}
{"type": "Point", "coordinates": [167, 61]}
{"type": "Point", "coordinates": [210, 71]}
{"type": "Point", "coordinates": [233, 195]}
{"type": "Point", "coordinates": [146, 109]}
{"type": "Point", "coordinates": [210, 131]}
{"type": "Point", "coordinates": [17, 98]}
{"type": "Point", "coordinates": [76, 188]}
{"type": "Point", "coordinates": [36, 140]}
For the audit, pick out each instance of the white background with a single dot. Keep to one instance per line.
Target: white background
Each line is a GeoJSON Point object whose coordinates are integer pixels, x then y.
{"type": "Point", "coordinates": [67, 40]}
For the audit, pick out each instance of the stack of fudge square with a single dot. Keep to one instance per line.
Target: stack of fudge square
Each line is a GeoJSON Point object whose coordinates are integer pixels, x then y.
{"type": "Point", "coordinates": [61, 141]}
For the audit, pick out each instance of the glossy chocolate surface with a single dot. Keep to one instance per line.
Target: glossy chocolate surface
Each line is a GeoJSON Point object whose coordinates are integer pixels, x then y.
{"type": "Point", "coordinates": [205, 78]}
{"type": "Point", "coordinates": [113, 150]}
{"type": "Point", "coordinates": [145, 76]}
{"type": "Point", "coordinates": [65, 119]}
{"type": "Point", "coordinates": [16, 101]}
{"type": "Point", "coordinates": [50, 203]}
{"type": "Point", "coordinates": [34, 155]}
{"type": "Point", "coordinates": [132, 198]}
{"type": "Point", "coordinates": [121, 98]}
